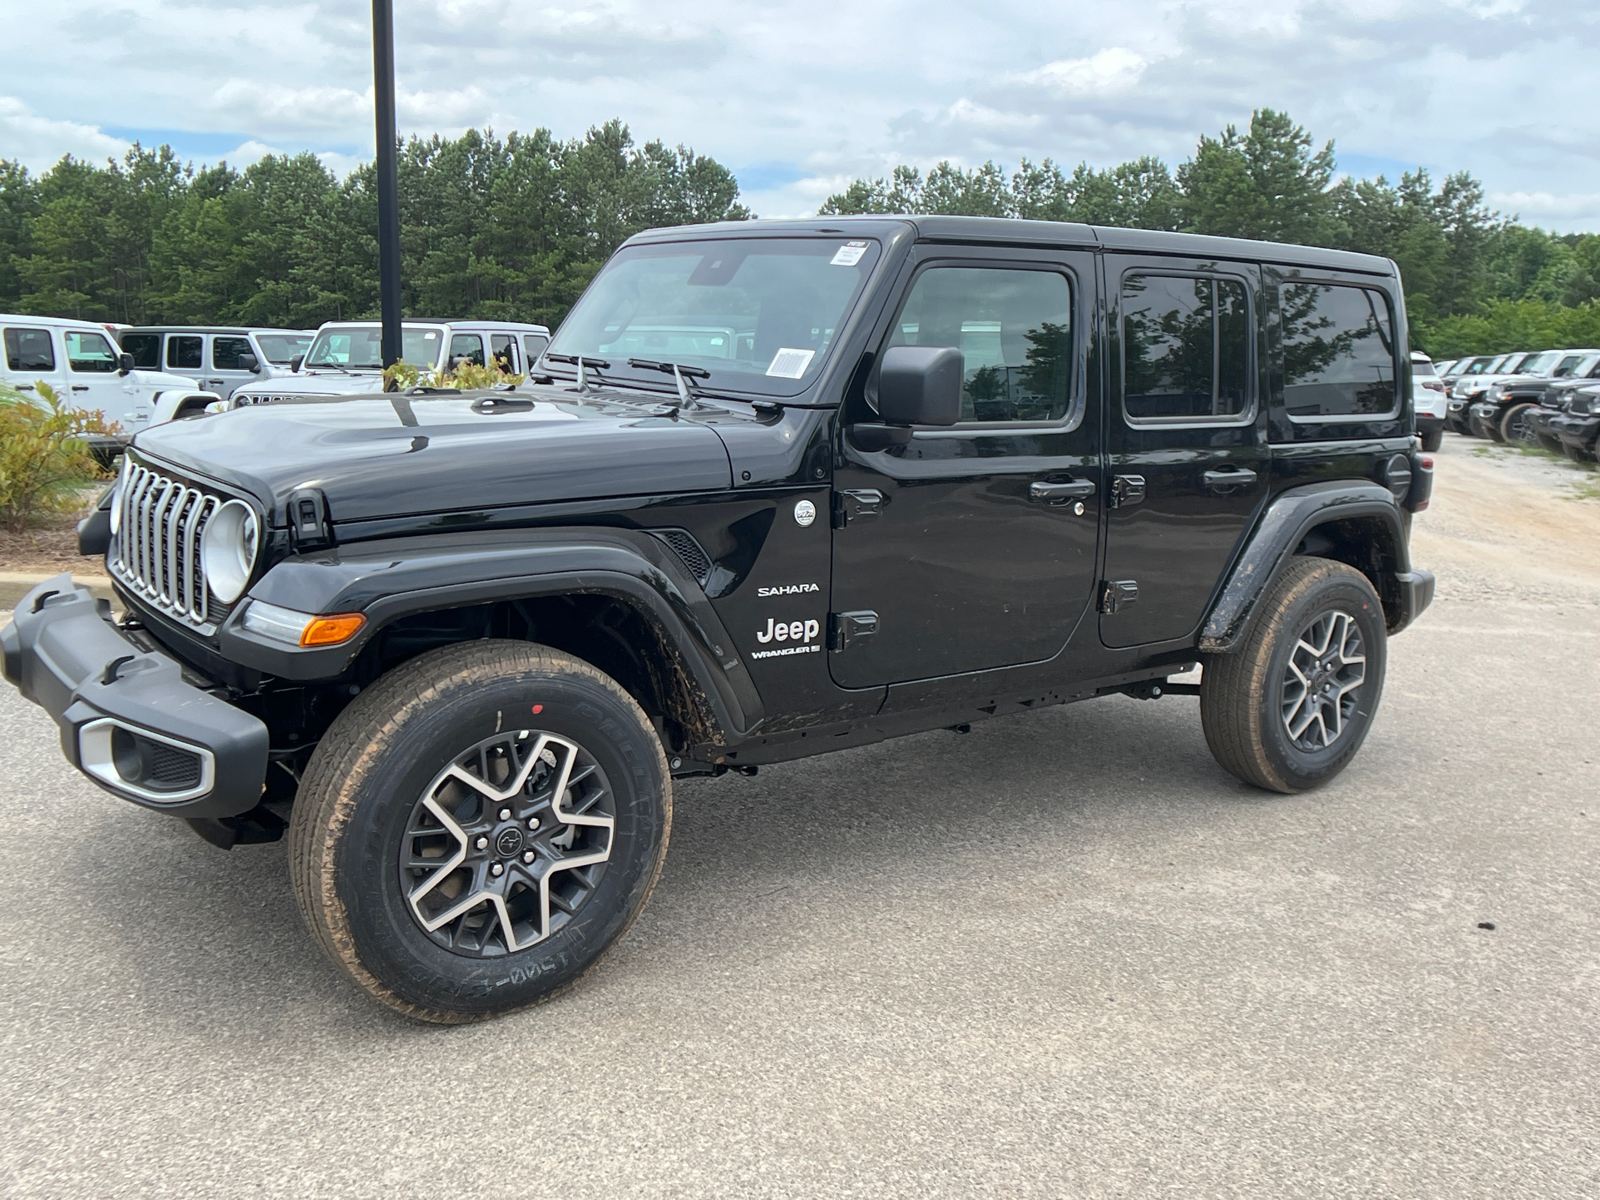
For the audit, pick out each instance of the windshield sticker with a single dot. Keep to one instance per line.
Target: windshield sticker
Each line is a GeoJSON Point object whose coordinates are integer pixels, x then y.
{"type": "Point", "coordinates": [848, 255]}
{"type": "Point", "coordinates": [790, 364]}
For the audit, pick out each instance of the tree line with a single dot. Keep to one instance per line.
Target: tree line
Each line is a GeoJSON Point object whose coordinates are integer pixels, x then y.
{"type": "Point", "coordinates": [515, 227]}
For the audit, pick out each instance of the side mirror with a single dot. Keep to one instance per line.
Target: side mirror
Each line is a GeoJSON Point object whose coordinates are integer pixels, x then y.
{"type": "Point", "coordinates": [920, 385]}
{"type": "Point", "coordinates": [249, 362]}
{"type": "Point", "coordinates": [124, 363]}
{"type": "Point", "coordinates": [294, 363]}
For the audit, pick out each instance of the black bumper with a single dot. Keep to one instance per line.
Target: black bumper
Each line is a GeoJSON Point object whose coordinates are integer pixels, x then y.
{"type": "Point", "coordinates": [1416, 593]}
{"type": "Point", "coordinates": [1576, 431]}
{"type": "Point", "coordinates": [128, 718]}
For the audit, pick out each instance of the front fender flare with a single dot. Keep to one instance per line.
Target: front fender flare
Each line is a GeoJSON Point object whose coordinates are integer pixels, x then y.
{"type": "Point", "coordinates": [1288, 519]}
{"type": "Point", "coordinates": [390, 579]}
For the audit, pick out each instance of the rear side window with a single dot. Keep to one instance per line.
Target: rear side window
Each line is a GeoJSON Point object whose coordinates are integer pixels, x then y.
{"type": "Point", "coordinates": [468, 346]}
{"type": "Point", "coordinates": [225, 352]}
{"type": "Point", "coordinates": [30, 350]}
{"type": "Point", "coordinates": [1338, 352]}
{"type": "Point", "coordinates": [145, 348]}
{"type": "Point", "coordinates": [91, 353]}
{"type": "Point", "coordinates": [533, 345]}
{"type": "Point", "coordinates": [503, 346]}
{"type": "Point", "coordinates": [1185, 348]}
{"type": "Point", "coordinates": [184, 352]}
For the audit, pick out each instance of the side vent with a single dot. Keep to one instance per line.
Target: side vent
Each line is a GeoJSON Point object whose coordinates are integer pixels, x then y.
{"type": "Point", "coordinates": [695, 560]}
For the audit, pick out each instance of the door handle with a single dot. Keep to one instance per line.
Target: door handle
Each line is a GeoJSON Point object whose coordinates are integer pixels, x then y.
{"type": "Point", "coordinates": [24, 387]}
{"type": "Point", "coordinates": [1060, 493]}
{"type": "Point", "coordinates": [80, 387]}
{"type": "Point", "coordinates": [1237, 477]}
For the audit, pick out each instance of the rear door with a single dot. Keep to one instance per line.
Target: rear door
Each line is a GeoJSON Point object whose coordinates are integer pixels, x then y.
{"type": "Point", "coordinates": [503, 346]}
{"type": "Point", "coordinates": [1186, 439]}
{"type": "Point", "coordinates": [186, 355]}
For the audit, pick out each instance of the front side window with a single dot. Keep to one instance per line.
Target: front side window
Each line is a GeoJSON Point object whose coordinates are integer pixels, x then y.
{"type": "Point", "coordinates": [30, 350]}
{"type": "Point", "coordinates": [1338, 352]}
{"type": "Point", "coordinates": [361, 348]}
{"type": "Point", "coordinates": [1566, 366]}
{"type": "Point", "coordinates": [145, 348]}
{"type": "Point", "coordinates": [225, 352]}
{"type": "Point", "coordinates": [1185, 348]}
{"type": "Point", "coordinates": [466, 347]}
{"type": "Point", "coordinates": [1015, 333]}
{"type": "Point", "coordinates": [757, 314]}
{"type": "Point", "coordinates": [533, 345]}
{"type": "Point", "coordinates": [90, 353]}
{"type": "Point", "coordinates": [280, 348]}
{"type": "Point", "coordinates": [184, 352]}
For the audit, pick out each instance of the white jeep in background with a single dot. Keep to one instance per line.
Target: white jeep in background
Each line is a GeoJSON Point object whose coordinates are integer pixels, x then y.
{"type": "Point", "coordinates": [218, 358]}
{"type": "Point", "coordinates": [346, 357]}
{"type": "Point", "coordinates": [80, 362]}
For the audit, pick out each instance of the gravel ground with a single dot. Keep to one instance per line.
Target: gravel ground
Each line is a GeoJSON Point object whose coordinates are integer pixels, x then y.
{"type": "Point", "coordinates": [1064, 955]}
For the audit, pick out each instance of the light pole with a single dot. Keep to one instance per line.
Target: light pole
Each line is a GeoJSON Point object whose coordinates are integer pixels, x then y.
{"type": "Point", "coordinates": [388, 178]}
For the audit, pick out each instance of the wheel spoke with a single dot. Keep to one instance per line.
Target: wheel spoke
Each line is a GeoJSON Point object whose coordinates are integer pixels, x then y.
{"type": "Point", "coordinates": [1326, 664]}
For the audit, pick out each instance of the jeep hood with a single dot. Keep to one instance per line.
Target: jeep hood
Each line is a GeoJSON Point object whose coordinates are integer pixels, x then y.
{"type": "Point", "coordinates": [393, 455]}
{"type": "Point", "coordinates": [314, 383]}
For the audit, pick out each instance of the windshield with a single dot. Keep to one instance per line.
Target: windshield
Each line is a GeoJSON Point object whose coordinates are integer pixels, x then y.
{"type": "Point", "coordinates": [1536, 364]}
{"type": "Point", "coordinates": [360, 347]}
{"type": "Point", "coordinates": [757, 314]}
{"type": "Point", "coordinates": [1478, 365]}
{"type": "Point", "coordinates": [281, 348]}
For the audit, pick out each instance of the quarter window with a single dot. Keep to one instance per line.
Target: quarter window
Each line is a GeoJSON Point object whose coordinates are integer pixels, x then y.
{"type": "Point", "coordinates": [91, 353]}
{"type": "Point", "coordinates": [30, 350]}
{"type": "Point", "coordinates": [1185, 348]}
{"type": "Point", "coordinates": [145, 348]}
{"type": "Point", "coordinates": [1338, 352]}
{"type": "Point", "coordinates": [185, 352]}
{"type": "Point", "coordinates": [468, 346]}
{"type": "Point", "coordinates": [225, 352]}
{"type": "Point", "coordinates": [1014, 330]}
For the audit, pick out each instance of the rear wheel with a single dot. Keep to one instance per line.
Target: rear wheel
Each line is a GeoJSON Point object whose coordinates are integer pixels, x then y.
{"type": "Point", "coordinates": [478, 828]}
{"type": "Point", "coordinates": [1516, 426]}
{"type": "Point", "coordinates": [1288, 710]}
{"type": "Point", "coordinates": [1433, 439]}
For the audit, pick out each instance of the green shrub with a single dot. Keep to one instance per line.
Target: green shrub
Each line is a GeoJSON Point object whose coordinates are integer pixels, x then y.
{"type": "Point", "coordinates": [402, 376]}
{"type": "Point", "coordinates": [44, 461]}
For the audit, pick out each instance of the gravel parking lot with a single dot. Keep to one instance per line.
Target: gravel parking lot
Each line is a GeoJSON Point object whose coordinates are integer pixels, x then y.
{"type": "Point", "coordinates": [1064, 955]}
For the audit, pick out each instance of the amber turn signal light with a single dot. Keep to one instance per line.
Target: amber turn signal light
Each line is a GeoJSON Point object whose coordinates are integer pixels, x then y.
{"type": "Point", "coordinates": [330, 631]}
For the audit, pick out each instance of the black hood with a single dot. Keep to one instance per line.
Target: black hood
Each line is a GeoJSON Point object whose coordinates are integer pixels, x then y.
{"type": "Point", "coordinates": [402, 455]}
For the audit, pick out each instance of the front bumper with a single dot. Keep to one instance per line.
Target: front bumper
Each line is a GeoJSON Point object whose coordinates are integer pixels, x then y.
{"type": "Point", "coordinates": [1456, 418]}
{"type": "Point", "coordinates": [1482, 417]}
{"type": "Point", "coordinates": [128, 718]}
{"type": "Point", "coordinates": [1576, 431]}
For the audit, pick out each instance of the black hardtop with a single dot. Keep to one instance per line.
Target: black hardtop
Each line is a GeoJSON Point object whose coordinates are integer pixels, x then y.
{"type": "Point", "coordinates": [1013, 231]}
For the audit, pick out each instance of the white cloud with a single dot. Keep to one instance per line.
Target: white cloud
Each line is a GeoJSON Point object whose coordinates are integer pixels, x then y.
{"type": "Point", "coordinates": [1106, 73]}
{"type": "Point", "coordinates": [39, 142]}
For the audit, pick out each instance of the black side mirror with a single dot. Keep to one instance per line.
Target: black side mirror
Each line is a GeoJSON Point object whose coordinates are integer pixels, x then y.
{"type": "Point", "coordinates": [294, 363]}
{"type": "Point", "coordinates": [248, 362]}
{"type": "Point", "coordinates": [124, 363]}
{"type": "Point", "coordinates": [920, 385]}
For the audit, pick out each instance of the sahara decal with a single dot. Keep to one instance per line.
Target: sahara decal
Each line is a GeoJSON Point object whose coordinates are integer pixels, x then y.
{"type": "Point", "coordinates": [803, 633]}
{"type": "Point", "coordinates": [788, 589]}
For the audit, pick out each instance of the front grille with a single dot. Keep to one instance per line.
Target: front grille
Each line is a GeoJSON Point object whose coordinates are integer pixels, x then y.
{"type": "Point", "coordinates": [157, 552]}
{"type": "Point", "coordinates": [245, 399]}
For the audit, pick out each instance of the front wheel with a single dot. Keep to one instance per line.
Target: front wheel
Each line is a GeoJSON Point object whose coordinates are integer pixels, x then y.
{"type": "Point", "coordinates": [478, 828]}
{"type": "Point", "coordinates": [1288, 710]}
{"type": "Point", "coordinates": [1516, 426]}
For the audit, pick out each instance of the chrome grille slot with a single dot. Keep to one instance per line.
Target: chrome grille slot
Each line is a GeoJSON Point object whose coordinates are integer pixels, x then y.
{"type": "Point", "coordinates": [157, 552]}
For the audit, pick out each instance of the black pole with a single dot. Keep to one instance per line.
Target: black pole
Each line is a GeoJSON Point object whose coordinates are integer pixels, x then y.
{"type": "Point", "coordinates": [388, 177]}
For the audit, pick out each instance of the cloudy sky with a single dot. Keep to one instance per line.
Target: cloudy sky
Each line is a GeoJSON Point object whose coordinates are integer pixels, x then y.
{"type": "Point", "coordinates": [797, 97]}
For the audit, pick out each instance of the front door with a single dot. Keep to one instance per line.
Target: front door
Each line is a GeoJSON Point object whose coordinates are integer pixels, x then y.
{"type": "Point", "coordinates": [96, 383]}
{"type": "Point", "coordinates": [226, 372]}
{"type": "Point", "coordinates": [1186, 439]}
{"type": "Point", "coordinates": [973, 547]}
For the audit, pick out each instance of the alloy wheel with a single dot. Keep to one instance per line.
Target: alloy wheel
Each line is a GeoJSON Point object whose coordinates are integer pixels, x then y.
{"type": "Point", "coordinates": [1322, 680]}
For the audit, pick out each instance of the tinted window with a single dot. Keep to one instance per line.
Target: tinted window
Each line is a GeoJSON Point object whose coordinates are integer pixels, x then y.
{"type": "Point", "coordinates": [90, 352]}
{"type": "Point", "coordinates": [503, 346]}
{"type": "Point", "coordinates": [468, 346]}
{"type": "Point", "coordinates": [280, 348]}
{"type": "Point", "coordinates": [1422, 368]}
{"type": "Point", "coordinates": [184, 352]}
{"type": "Point", "coordinates": [145, 348]}
{"type": "Point", "coordinates": [533, 345]}
{"type": "Point", "coordinates": [1338, 355]}
{"type": "Point", "coordinates": [1014, 331]}
{"type": "Point", "coordinates": [1185, 348]}
{"type": "Point", "coordinates": [225, 352]}
{"type": "Point", "coordinates": [30, 350]}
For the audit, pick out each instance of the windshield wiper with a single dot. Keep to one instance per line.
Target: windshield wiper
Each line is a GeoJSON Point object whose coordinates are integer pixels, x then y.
{"type": "Point", "coordinates": [688, 394]}
{"type": "Point", "coordinates": [580, 361]}
{"type": "Point", "coordinates": [336, 365]}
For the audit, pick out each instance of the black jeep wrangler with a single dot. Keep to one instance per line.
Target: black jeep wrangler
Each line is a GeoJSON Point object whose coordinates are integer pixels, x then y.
{"type": "Point", "coordinates": [781, 488]}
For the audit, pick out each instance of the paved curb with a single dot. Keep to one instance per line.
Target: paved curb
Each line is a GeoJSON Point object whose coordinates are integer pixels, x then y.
{"type": "Point", "coordinates": [15, 585]}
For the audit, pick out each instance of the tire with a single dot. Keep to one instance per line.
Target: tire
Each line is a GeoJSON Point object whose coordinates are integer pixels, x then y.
{"type": "Point", "coordinates": [1552, 444]}
{"type": "Point", "coordinates": [1244, 702]}
{"type": "Point", "coordinates": [1432, 440]}
{"type": "Point", "coordinates": [1516, 426]}
{"type": "Point", "coordinates": [377, 874]}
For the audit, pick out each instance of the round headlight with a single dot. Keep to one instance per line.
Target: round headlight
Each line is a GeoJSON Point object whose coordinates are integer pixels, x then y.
{"type": "Point", "coordinates": [228, 550]}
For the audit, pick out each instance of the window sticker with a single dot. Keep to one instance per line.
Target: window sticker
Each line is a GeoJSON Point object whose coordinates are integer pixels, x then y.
{"type": "Point", "coordinates": [790, 364]}
{"type": "Point", "coordinates": [848, 255]}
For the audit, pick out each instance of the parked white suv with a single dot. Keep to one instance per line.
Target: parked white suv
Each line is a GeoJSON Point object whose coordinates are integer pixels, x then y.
{"type": "Point", "coordinates": [78, 360]}
{"type": "Point", "coordinates": [218, 358]}
{"type": "Point", "coordinates": [1429, 399]}
{"type": "Point", "coordinates": [345, 358]}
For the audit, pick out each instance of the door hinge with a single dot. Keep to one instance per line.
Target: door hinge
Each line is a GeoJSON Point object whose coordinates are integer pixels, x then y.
{"type": "Point", "coordinates": [1118, 593]}
{"type": "Point", "coordinates": [848, 505]}
{"type": "Point", "coordinates": [845, 629]}
{"type": "Point", "coordinates": [1127, 489]}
